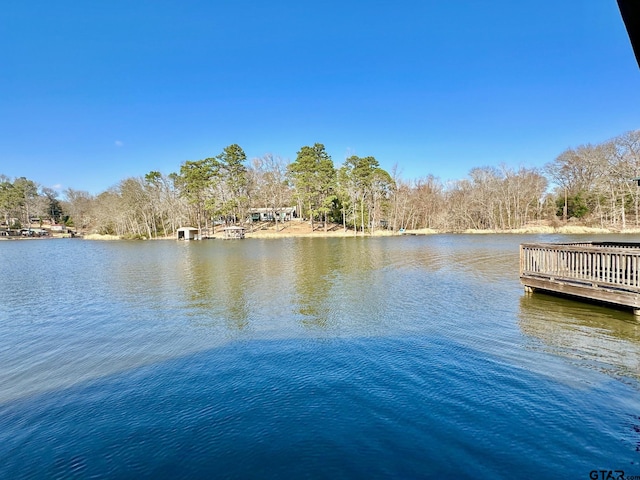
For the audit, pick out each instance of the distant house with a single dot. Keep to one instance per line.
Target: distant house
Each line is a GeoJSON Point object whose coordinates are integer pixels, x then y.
{"type": "Point", "coordinates": [57, 228]}
{"type": "Point", "coordinates": [284, 214]}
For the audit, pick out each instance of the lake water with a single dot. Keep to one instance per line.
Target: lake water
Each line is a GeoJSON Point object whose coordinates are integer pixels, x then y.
{"type": "Point", "coordinates": [401, 357]}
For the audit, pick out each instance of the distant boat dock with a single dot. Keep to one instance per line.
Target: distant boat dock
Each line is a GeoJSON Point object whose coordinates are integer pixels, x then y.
{"type": "Point", "coordinates": [607, 272]}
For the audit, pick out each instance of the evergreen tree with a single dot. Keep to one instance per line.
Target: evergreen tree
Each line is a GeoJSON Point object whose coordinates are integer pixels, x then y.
{"type": "Point", "coordinates": [234, 175]}
{"type": "Point", "coordinates": [314, 178]}
{"type": "Point", "coordinates": [197, 181]}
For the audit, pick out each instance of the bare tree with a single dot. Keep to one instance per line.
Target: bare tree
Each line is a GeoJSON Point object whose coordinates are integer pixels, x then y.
{"type": "Point", "coordinates": [272, 186]}
{"type": "Point", "coordinates": [80, 205]}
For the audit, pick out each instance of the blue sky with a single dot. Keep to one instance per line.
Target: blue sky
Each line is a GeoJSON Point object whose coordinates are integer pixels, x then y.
{"type": "Point", "coordinates": [95, 92]}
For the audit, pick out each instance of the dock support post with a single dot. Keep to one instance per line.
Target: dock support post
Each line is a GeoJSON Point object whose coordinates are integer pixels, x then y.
{"type": "Point", "coordinates": [529, 289]}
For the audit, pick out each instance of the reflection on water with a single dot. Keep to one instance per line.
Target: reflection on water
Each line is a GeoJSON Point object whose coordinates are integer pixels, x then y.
{"type": "Point", "coordinates": [314, 270]}
{"type": "Point", "coordinates": [602, 338]}
{"type": "Point", "coordinates": [336, 283]}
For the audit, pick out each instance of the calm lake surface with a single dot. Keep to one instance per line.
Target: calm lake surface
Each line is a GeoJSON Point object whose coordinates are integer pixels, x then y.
{"type": "Point", "coordinates": [403, 357]}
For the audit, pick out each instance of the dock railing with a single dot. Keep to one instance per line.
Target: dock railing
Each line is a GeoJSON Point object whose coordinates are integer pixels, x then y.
{"type": "Point", "coordinates": [606, 265]}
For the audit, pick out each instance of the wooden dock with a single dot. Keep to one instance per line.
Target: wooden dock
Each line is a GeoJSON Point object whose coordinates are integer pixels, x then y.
{"type": "Point", "coordinates": [606, 272]}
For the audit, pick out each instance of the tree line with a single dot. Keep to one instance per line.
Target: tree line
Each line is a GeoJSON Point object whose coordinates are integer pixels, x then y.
{"type": "Point", "coordinates": [593, 184]}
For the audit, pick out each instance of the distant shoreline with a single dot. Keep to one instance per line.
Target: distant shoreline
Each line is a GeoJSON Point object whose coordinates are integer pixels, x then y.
{"type": "Point", "coordinates": [319, 233]}
{"type": "Point", "coordinates": [303, 230]}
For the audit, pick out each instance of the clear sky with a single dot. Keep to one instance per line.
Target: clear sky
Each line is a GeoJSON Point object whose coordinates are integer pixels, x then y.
{"type": "Point", "coordinates": [93, 92]}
